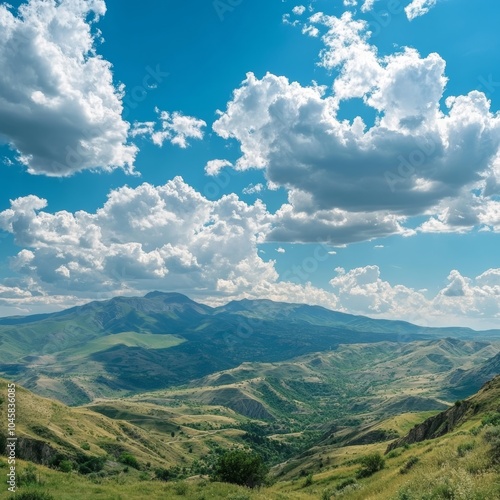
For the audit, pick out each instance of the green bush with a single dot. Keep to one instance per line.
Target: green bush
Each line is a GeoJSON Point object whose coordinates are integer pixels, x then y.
{"type": "Point", "coordinates": [370, 464]}
{"type": "Point", "coordinates": [309, 480]}
{"type": "Point", "coordinates": [181, 489]}
{"type": "Point", "coordinates": [240, 467]}
{"type": "Point", "coordinates": [87, 465]}
{"type": "Point", "coordinates": [344, 484]}
{"type": "Point", "coordinates": [395, 453]}
{"type": "Point", "coordinates": [409, 464]}
{"type": "Point", "coordinates": [85, 446]}
{"type": "Point", "coordinates": [326, 495]}
{"type": "Point", "coordinates": [129, 459]}
{"type": "Point", "coordinates": [491, 419]}
{"type": "Point", "coordinates": [492, 437]}
{"type": "Point", "coordinates": [65, 465]}
{"type": "Point", "coordinates": [163, 474]}
{"type": "Point", "coordinates": [34, 495]}
{"type": "Point", "coordinates": [464, 448]}
{"type": "Point", "coordinates": [28, 476]}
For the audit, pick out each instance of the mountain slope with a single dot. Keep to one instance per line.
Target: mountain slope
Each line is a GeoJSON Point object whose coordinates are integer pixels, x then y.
{"type": "Point", "coordinates": [131, 344]}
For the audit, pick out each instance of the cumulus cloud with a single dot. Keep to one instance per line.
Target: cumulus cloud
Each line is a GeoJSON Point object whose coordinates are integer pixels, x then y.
{"type": "Point", "coordinates": [298, 10]}
{"type": "Point", "coordinates": [419, 8]}
{"type": "Point", "coordinates": [292, 223]}
{"type": "Point", "coordinates": [59, 107]}
{"type": "Point", "coordinates": [367, 5]}
{"type": "Point", "coordinates": [213, 167]}
{"type": "Point", "coordinates": [463, 301]}
{"type": "Point", "coordinates": [253, 188]}
{"type": "Point", "coordinates": [175, 128]}
{"type": "Point", "coordinates": [169, 235]}
{"type": "Point", "coordinates": [362, 290]}
{"type": "Point", "coordinates": [165, 237]}
{"type": "Point", "coordinates": [417, 157]}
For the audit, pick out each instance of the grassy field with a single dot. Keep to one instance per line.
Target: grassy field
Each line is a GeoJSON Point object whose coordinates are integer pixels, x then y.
{"type": "Point", "coordinates": [463, 464]}
{"type": "Point", "coordinates": [129, 339]}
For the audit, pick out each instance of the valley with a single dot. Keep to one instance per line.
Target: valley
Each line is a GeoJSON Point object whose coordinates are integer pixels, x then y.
{"type": "Point", "coordinates": [163, 387]}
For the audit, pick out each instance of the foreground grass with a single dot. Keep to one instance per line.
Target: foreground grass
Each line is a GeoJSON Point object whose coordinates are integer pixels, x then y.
{"type": "Point", "coordinates": [456, 466]}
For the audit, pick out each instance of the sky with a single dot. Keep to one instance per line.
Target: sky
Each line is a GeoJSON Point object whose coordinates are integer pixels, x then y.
{"type": "Point", "coordinates": [344, 153]}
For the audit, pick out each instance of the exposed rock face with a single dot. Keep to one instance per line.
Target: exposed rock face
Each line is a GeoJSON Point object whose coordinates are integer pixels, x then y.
{"type": "Point", "coordinates": [34, 450]}
{"type": "Point", "coordinates": [435, 426]}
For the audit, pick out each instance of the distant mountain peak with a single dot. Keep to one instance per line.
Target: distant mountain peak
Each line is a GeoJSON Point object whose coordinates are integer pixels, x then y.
{"type": "Point", "coordinates": [167, 295]}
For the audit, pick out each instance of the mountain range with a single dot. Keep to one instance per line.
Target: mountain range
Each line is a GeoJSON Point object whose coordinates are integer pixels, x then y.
{"type": "Point", "coordinates": [129, 345]}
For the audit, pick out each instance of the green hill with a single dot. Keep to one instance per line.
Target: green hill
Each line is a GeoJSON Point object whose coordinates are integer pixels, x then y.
{"type": "Point", "coordinates": [129, 345]}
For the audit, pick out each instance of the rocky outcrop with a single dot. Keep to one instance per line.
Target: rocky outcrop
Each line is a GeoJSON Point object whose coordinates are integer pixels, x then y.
{"type": "Point", "coordinates": [34, 450]}
{"type": "Point", "coordinates": [435, 426]}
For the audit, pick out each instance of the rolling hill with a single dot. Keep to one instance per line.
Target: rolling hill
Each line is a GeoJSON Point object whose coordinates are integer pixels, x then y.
{"type": "Point", "coordinates": [129, 345]}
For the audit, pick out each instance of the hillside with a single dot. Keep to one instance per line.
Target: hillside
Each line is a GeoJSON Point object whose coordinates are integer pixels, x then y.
{"type": "Point", "coordinates": [129, 345]}
{"type": "Point", "coordinates": [460, 463]}
{"type": "Point", "coordinates": [49, 431]}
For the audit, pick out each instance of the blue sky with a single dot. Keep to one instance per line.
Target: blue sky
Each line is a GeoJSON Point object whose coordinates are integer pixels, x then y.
{"type": "Point", "coordinates": [342, 153]}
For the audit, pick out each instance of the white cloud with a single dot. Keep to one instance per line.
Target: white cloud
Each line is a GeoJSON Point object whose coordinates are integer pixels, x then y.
{"type": "Point", "coordinates": [350, 3]}
{"type": "Point", "coordinates": [367, 5]}
{"type": "Point", "coordinates": [152, 237]}
{"type": "Point", "coordinates": [145, 236]}
{"type": "Point", "coordinates": [298, 10]}
{"type": "Point", "coordinates": [362, 290]}
{"type": "Point", "coordinates": [59, 107]}
{"type": "Point", "coordinates": [172, 238]}
{"type": "Point", "coordinates": [295, 223]}
{"type": "Point", "coordinates": [253, 188]}
{"type": "Point", "coordinates": [419, 8]}
{"type": "Point", "coordinates": [473, 302]}
{"type": "Point", "coordinates": [310, 30]}
{"type": "Point", "coordinates": [175, 128]}
{"type": "Point", "coordinates": [348, 181]}
{"type": "Point", "coordinates": [213, 167]}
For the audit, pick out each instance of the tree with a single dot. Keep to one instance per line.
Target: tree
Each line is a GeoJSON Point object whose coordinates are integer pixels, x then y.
{"type": "Point", "coordinates": [240, 467]}
{"type": "Point", "coordinates": [370, 464]}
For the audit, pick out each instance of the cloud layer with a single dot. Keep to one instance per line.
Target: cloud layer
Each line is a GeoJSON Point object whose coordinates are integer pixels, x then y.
{"type": "Point", "coordinates": [59, 107]}
{"type": "Point", "coordinates": [420, 153]}
{"type": "Point", "coordinates": [170, 237]}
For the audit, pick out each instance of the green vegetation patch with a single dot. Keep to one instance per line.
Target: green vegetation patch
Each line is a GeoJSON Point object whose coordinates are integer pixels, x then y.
{"type": "Point", "coordinates": [128, 339]}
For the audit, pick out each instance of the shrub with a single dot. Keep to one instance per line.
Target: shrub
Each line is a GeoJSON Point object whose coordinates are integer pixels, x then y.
{"type": "Point", "coordinates": [344, 484]}
{"type": "Point", "coordinates": [491, 419]}
{"type": "Point", "coordinates": [181, 489]}
{"type": "Point", "coordinates": [326, 495]}
{"type": "Point", "coordinates": [65, 465]}
{"type": "Point", "coordinates": [129, 459]}
{"type": "Point", "coordinates": [86, 464]}
{"type": "Point", "coordinates": [409, 464]}
{"type": "Point", "coordinates": [28, 476]}
{"type": "Point", "coordinates": [464, 448]}
{"type": "Point", "coordinates": [34, 495]}
{"type": "Point", "coordinates": [404, 494]}
{"type": "Point", "coordinates": [240, 467]}
{"type": "Point", "coordinates": [163, 474]}
{"type": "Point", "coordinates": [85, 446]}
{"type": "Point", "coordinates": [370, 464]}
{"type": "Point", "coordinates": [309, 480]}
{"type": "Point", "coordinates": [395, 453]}
{"type": "Point", "coordinates": [492, 437]}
